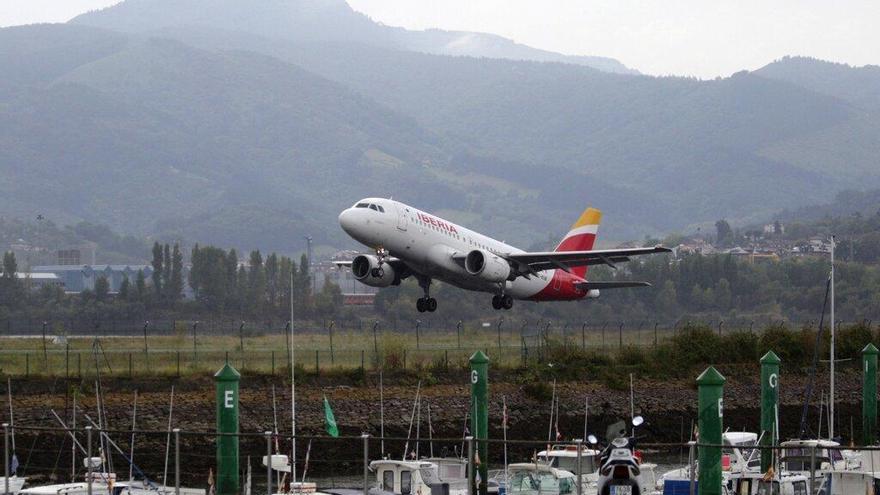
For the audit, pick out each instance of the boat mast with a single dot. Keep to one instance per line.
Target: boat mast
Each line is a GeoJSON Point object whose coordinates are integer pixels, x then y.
{"type": "Point", "coordinates": [168, 440]}
{"type": "Point", "coordinates": [292, 392]}
{"type": "Point", "coordinates": [833, 329]}
{"type": "Point", "coordinates": [382, 413]}
{"type": "Point", "coordinates": [133, 427]}
{"type": "Point", "coordinates": [11, 419]}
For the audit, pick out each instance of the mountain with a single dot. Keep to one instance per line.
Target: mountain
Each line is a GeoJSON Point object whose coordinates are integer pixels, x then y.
{"type": "Point", "coordinates": [858, 85]}
{"type": "Point", "coordinates": [197, 127]}
{"type": "Point", "coordinates": [319, 21]}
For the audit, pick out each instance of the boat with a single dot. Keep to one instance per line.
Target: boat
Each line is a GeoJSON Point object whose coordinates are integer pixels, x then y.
{"type": "Point", "coordinates": [533, 478]}
{"type": "Point", "coordinates": [755, 483]}
{"type": "Point", "coordinates": [15, 484]}
{"type": "Point", "coordinates": [413, 477]}
{"type": "Point", "coordinates": [850, 482]}
{"type": "Point", "coordinates": [737, 456]}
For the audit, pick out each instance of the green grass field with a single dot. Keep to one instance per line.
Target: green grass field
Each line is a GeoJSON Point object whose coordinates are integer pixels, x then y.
{"type": "Point", "coordinates": [180, 354]}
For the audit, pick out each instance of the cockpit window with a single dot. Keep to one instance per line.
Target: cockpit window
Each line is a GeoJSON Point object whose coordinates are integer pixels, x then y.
{"type": "Point", "coordinates": [361, 205]}
{"type": "Point", "coordinates": [381, 210]}
{"type": "Point", "coordinates": [373, 207]}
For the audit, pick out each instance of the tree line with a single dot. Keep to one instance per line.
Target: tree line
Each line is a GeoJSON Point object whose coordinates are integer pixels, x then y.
{"type": "Point", "coordinates": [219, 282]}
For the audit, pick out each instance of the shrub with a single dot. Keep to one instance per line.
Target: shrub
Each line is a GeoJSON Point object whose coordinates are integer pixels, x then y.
{"type": "Point", "coordinates": [787, 344]}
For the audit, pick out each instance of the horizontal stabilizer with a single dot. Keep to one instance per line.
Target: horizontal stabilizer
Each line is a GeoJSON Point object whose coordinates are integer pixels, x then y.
{"type": "Point", "coordinates": [610, 285]}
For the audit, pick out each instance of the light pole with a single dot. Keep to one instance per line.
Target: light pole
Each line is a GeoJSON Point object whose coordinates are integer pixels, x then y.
{"type": "Point", "coordinates": [308, 239]}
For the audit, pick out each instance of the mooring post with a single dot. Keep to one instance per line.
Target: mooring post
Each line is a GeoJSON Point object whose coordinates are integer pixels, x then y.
{"type": "Point", "coordinates": [869, 394]}
{"type": "Point", "coordinates": [711, 408]}
{"type": "Point", "coordinates": [227, 381]}
{"type": "Point", "coordinates": [769, 403]}
{"type": "Point", "coordinates": [176, 461]}
{"type": "Point", "coordinates": [268, 462]}
{"type": "Point", "coordinates": [366, 438]}
{"type": "Point", "coordinates": [579, 443]}
{"type": "Point", "coordinates": [480, 417]}
{"type": "Point", "coordinates": [471, 477]}
{"type": "Point", "coordinates": [88, 460]}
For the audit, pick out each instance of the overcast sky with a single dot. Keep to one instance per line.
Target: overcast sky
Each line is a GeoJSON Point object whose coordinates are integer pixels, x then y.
{"type": "Point", "coordinates": [705, 38]}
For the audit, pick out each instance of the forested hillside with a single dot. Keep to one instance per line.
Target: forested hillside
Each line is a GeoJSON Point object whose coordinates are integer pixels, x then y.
{"type": "Point", "coordinates": [222, 125]}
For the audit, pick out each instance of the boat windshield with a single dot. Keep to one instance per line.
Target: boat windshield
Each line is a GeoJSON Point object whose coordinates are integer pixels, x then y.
{"type": "Point", "coordinates": [429, 476]}
{"type": "Point", "coordinates": [588, 463]}
{"type": "Point", "coordinates": [526, 482]}
{"type": "Point", "coordinates": [768, 488]}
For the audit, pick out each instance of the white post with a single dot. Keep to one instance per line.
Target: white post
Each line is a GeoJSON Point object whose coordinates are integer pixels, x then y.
{"type": "Point", "coordinates": [292, 392]}
{"type": "Point", "coordinates": [833, 330]}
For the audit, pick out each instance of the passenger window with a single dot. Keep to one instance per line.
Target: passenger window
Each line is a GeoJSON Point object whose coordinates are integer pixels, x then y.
{"type": "Point", "coordinates": [388, 481]}
{"type": "Point", "coordinates": [405, 482]}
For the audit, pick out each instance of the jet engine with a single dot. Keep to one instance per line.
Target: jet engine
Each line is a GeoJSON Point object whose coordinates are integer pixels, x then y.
{"type": "Point", "coordinates": [368, 270]}
{"type": "Point", "coordinates": [487, 266]}
{"type": "Point", "coordinates": [593, 294]}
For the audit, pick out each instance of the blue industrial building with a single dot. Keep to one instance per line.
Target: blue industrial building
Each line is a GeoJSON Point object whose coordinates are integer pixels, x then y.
{"type": "Point", "coordinates": [77, 278]}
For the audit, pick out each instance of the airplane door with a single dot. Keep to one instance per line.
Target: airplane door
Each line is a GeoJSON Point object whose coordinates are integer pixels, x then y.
{"type": "Point", "coordinates": [401, 217]}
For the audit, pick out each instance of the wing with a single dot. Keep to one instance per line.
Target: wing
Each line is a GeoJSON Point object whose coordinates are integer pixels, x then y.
{"type": "Point", "coordinates": [550, 260]}
{"type": "Point", "coordinates": [610, 285]}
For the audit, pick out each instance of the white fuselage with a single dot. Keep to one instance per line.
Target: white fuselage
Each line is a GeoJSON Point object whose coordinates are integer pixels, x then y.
{"type": "Point", "coordinates": [427, 244]}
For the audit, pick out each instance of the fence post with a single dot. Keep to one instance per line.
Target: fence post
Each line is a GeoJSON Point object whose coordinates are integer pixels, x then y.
{"type": "Point", "coordinates": [273, 363]}
{"type": "Point", "coordinates": [458, 332]}
{"type": "Point", "coordinates": [404, 358]}
{"type": "Point", "coordinates": [79, 365]}
{"type": "Point", "coordinates": [268, 462]}
{"type": "Point", "coordinates": [130, 370]}
{"type": "Point", "coordinates": [89, 459]}
{"type": "Point", "coordinates": [366, 438]}
{"type": "Point", "coordinates": [27, 364]}
{"type": "Point", "coordinates": [195, 348]}
{"type": "Point", "coordinates": [317, 365]}
{"type": "Point", "coordinates": [176, 461]}
{"type": "Point", "coordinates": [584, 336]}
{"type": "Point", "coordinates": [620, 336]}
{"type": "Point", "coordinates": [655, 334]}
{"type": "Point", "coordinates": [45, 350]}
{"type": "Point", "coordinates": [67, 360]}
{"type": "Point", "coordinates": [446, 359]}
{"type": "Point", "coordinates": [362, 359]}
{"type": "Point", "coordinates": [332, 356]}
{"type": "Point", "coordinates": [418, 325]}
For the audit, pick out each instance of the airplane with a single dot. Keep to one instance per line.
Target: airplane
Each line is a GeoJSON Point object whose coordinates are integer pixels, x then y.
{"type": "Point", "coordinates": [409, 242]}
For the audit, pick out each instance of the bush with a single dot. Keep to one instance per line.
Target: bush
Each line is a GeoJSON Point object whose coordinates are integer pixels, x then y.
{"type": "Point", "coordinates": [787, 344]}
{"type": "Point", "coordinates": [741, 347]}
{"type": "Point", "coordinates": [852, 339]}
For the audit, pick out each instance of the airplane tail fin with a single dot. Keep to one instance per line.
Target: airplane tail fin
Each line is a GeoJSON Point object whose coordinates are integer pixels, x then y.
{"type": "Point", "coordinates": [581, 236]}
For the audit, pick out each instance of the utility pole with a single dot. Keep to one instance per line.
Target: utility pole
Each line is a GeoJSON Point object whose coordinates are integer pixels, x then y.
{"type": "Point", "coordinates": [833, 329]}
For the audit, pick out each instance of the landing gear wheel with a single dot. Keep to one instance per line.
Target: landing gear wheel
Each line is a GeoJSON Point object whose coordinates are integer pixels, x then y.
{"type": "Point", "coordinates": [506, 302]}
{"type": "Point", "coordinates": [420, 305]}
{"type": "Point", "coordinates": [431, 304]}
{"type": "Point", "coordinates": [496, 302]}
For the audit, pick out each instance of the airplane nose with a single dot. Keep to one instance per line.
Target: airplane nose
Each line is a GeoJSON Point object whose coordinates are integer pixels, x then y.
{"type": "Point", "coordinates": [346, 221]}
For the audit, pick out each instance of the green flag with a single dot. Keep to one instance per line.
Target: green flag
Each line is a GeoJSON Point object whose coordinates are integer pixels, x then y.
{"type": "Point", "coordinates": [329, 420]}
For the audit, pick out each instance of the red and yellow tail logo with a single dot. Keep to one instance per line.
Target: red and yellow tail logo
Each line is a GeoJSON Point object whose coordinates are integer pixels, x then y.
{"type": "Point", "coordinates": [582, 236]}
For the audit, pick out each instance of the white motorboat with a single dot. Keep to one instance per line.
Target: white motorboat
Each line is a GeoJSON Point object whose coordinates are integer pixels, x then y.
{"type": "Point", "coordinates": [413, 477]}
{"type": "Point", "coordinates": [533, 478]}
{"type": "Point", "coordinates": [737, 456]}
{"type": "Point", "coordinates": [15, 484]}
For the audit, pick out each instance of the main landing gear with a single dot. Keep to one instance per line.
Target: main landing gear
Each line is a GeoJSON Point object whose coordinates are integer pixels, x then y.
{"type": "Point", "coordinates": [502, 301]}
{"type": "Point", "coordinates": [426, 303]}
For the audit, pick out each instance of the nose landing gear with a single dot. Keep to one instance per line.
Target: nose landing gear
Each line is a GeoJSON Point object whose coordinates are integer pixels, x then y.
{"type": "Point", "coordinates": [502, 301]}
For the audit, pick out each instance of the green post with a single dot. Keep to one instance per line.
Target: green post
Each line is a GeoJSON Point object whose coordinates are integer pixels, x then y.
{"type": "Point", "coordinates": [227, 422]}
{"type": "Point", "coordinates": [869, 394]}
{"type": "Point", "coordinates": [769, 402]}
{"type": "Point", "coordinates": [711, 408]}
{"type": "Point", "coordinates": [480, 417]}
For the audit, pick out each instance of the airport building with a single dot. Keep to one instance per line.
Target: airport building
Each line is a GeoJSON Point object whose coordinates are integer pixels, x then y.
{"type": "Point", "coordinates": [77, 278]}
